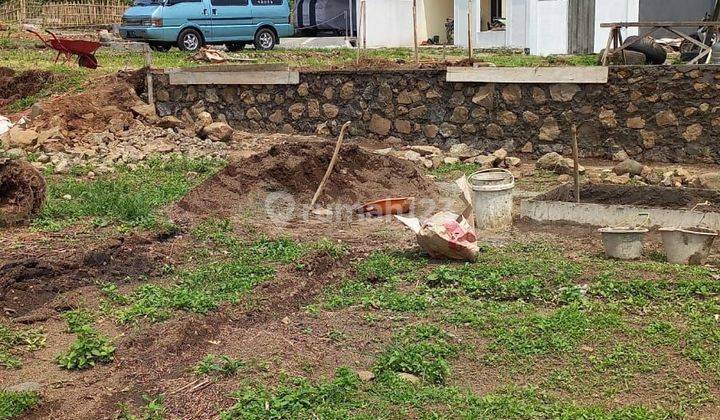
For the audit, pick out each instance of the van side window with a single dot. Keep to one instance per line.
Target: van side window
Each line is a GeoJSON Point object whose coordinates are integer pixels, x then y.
{"type": "Point", "coordinates": [267, 2]}
{"type": "Point", "coordinates": [171, 2]}
{"type": "Point", "coordinates": [229, 2]}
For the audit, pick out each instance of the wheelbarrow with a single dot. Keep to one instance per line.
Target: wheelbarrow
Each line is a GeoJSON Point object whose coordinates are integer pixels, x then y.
{"type": "Point", "coordinates": [85, 50]}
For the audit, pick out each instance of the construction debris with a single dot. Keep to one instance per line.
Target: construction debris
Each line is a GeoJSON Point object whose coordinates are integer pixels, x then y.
{"type": "Point", "coordinates": [22, 192]}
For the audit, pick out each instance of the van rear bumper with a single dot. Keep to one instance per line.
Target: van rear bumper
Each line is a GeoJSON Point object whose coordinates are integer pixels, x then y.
{"type": "Point", "coordinates": [144, 33]}
{"type": "Point", "coordinates": [284, 30]}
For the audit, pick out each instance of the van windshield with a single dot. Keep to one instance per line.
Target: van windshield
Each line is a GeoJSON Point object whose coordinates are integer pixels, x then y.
{"type": "Point", "coordinates": [147, 2]}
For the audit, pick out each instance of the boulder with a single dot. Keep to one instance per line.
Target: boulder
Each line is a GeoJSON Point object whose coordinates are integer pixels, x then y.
{"type": "Point", "coordinates": [426, 150]}
{"type": "Point", "coordinates": [628, 166]}
{"type": "Point", "coordinates": [555, 163]}
{"type": "Point", "coordinates": [462, 151]}
{"type": "Point", "coordinates": [19, 137]}
{"type": "Point", "coordinates": [217, 131]}
{"type": "Point", "coordinates": [709, 181]}
{"type": "Point", "coordinates": [144, 110]}
{"type": "Point", "coordinates": [170, 121]}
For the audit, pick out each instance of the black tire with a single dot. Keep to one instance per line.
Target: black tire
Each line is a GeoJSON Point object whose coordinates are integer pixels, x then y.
{"type": "Point", "coordinates": [654, 52]}
{"type": "Point", "coordinates": [265, 39]}
{"type": "Point", "coordinates": [190, 40]}
{"type": "Point", "coordinates": [235, 46]}
{"type": "Point", "coordinates": [160, 47]}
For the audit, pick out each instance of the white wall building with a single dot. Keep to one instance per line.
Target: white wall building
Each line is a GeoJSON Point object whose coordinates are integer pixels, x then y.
{"type": "Point", "coordinates": [540, 25]}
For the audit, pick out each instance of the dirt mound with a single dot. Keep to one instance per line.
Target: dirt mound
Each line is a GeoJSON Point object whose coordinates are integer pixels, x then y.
{"type": "Point", "coordinates": [297, 168]}
{"type": "Point", "coordinates": [110, 98]}
{"type": "Point", "coordinates": [14, 86]}
{"type": "Point", "coordinates": [22, 192]}
{"type": "Point", "coordinates": [638, 195]}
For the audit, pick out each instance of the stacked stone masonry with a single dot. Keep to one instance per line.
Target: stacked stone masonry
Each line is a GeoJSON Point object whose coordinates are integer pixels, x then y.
{"type": "Point", "coordinates": [659, 113]}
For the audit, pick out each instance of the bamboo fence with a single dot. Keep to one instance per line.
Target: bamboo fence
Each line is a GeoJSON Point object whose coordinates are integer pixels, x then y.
{"type": "Point", "coordinates": [63, 14]}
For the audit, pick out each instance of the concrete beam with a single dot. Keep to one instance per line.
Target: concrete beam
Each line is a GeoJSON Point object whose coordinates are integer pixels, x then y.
{"type": "Point", "coordinates": [603, 215]}
{"type": "Point", "coordinates": [528, 74]}
{"type": "Point", "coordinates": [282, 77]}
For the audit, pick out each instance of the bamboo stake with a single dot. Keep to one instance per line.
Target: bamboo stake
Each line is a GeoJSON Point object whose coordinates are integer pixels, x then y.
{"type": "Point", "coordinates": [333, 160]}
{"type": "Point", "coordinates": [576, 164]}
{"type": "Point", "coordinates": [415, 34]}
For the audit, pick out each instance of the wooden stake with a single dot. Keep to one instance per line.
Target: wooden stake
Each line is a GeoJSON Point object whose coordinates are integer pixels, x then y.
{"type": "Point", "coordinates": [332, 164]}
{"type": "Point", "coordinates": [148, 76]}
{"type": "Point", "coordinates": [576, 164]}
{"type": "Point", "coordinates": [415, 34]}
{"type": "Point", "coordinates": [469, 29]}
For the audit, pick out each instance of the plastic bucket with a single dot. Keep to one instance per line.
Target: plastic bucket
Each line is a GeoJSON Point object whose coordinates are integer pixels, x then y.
{"type": "Point", "coordinates": [492, 198]}
{"type": "Point", "coordinates": [623, 243]}
{"type": "Point", "coordinates": [687, 246]}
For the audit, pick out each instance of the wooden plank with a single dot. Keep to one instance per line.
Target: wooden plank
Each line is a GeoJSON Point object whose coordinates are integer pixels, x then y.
{"type": "Point", "coordinates": [581, 26]}
{"type": "Point", "coordinates": [528, 74]}
{"type": "Point", "coordinates": [679, 24]}
{"type": "Point", "coordinates": [235, 78]}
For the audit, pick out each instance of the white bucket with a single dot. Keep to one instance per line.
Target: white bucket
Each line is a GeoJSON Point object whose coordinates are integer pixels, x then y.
{"type": "Point", "coordinates": [687, 246]}
{"type": "Point", "coordinates": [623, 243]}
{"type": "Point", "coordinates": [492, 198]}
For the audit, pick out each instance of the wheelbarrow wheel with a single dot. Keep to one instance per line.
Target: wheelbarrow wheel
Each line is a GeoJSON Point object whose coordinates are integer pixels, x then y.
{"type": "Point", "coordinates": [190, 40]}
{"type": "Point", "coordinates": [88, 61]}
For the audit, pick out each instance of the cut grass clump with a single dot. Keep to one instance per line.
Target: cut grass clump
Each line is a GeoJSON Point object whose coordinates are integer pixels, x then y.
{"type": "Point", "coordinates": [13, 404]}
{"type": "Point", "coordinates": [89, 348]}
{"type": "Point", "coordinates": [13, 341]}
{"type": "Point", "coordinates": [199, 291]}
{"type": "Point", "coordinates": [129, 198]}
{"type": "Point", "coordinates": [421, 350]}
{"type": "Point", "coordinates": [297, 399]}
{"type": "Point", "coordinates": [222, 365]}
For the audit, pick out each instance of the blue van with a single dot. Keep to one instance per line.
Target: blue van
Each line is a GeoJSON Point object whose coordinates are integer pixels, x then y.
{"type": "Point", "coordinates": [190, 24]}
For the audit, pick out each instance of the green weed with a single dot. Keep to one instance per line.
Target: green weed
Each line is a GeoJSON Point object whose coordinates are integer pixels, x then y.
{"type": "Point", "coordinates": [13, 404]}
{"type": "Point", "coordinates": [77, 319]}
{"type": "Point", "coordinates": [89, 348]}
{"type": "Point", "coordinates": [421, 350]}
{"type": "Point", "coordinates": [297, 399]}
{"type": "Point", "coordinates": [223, 364]}
{"type": "Point", "coordinates": [13, 341]}
{"type": "Point", "coordinates": [154, 409]}
{"type": "Point", "coordinates": [382, 267]}
{"type": "Point", "coordinates": [200, 291]}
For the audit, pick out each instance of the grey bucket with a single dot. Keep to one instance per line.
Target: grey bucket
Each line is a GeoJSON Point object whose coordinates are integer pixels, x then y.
{"type": "Point", "coordinates": [492, 198]}
{"type": "Point", "coordinates": [623, 243]}
{"type": "Point", "coordinates": [687, 246]}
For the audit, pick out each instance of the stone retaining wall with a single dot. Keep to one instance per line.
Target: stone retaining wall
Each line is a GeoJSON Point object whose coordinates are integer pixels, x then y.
{"type": "Point", "coordinates": [660, 113]}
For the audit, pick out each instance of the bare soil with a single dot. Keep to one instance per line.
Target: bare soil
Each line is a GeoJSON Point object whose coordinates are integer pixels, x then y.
{"type": "Point", "coordinates": [108, 98]}
{"type": "Point", "coordinates": [638, 195]}
{"type": "Point", "coordinates": [14, 86]}
{"type": "Point", "coordinates": [22, 192]}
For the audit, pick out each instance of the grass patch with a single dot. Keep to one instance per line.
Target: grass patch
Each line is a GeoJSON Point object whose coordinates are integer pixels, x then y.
{"type": "Point", "coordinates": [13, 404]}
{"type": "Point", "coordinates": [421, 350]}
{"type": "Point", "coordinates": [219, 365]}
{"type": "Point", "coordinates": [89, 348]}
{"type": "Point", "coordinates": [129, 198]}
{"type": "Point", "coordinates": [198, 291]}
{"type": "Point", "coordinates": [382, 267]}
{"type": "Point", "coordinates": [298, 398]}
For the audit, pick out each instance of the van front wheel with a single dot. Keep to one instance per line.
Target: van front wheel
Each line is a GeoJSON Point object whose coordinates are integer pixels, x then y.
{"type": "Point", "coordinates": [190, 40]}
{"type": "Point", "coordinates": [264, 39]}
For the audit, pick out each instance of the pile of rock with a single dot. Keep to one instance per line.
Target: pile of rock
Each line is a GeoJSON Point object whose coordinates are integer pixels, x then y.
{"type": "Point", "coordinates": [123, 142]}
{"type": "Point", "coordinates": [432, 157]}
